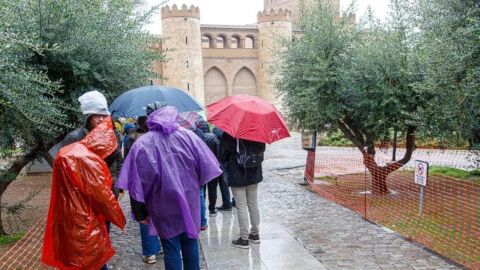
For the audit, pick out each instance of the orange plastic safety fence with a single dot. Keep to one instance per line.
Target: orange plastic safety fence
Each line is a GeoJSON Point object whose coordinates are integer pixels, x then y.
{"type": "Point", "coordinates": [25, 254]}
{"type": "Point", "coordinates": [444, 215]}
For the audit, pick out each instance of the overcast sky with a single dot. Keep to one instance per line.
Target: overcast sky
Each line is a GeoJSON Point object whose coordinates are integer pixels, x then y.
{"type": "Point", "coordinates": [238, 12]}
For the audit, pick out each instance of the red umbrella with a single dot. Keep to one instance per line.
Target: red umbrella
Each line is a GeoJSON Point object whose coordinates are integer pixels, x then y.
{"type": "Point", "coordinates": [248, 117]}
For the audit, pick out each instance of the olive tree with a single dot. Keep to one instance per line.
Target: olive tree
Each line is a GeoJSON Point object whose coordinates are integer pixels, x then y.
{"type": "Point", "coordinates": [53, 51]}
{"type": "Point", "coordinates": [359, 79]}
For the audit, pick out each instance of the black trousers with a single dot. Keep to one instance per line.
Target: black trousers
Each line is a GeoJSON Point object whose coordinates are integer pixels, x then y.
{"type": "Point", "coordinates": [212, 193]}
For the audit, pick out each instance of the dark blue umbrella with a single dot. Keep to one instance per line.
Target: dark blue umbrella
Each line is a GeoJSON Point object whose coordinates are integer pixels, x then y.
{"type": "Point", "coordinates": [133, 102]}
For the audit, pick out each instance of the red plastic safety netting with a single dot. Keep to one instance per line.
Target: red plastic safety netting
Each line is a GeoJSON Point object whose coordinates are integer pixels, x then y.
{"type": "Point", "coordinates": [25, 254]}
{"type": "Point", "coordinates": [443, 214]}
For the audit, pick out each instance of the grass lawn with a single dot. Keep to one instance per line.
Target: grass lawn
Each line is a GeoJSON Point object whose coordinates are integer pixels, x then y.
{"type": "Point", "coordinates": [10, 239]}
{"type": "Point", "coordinates": [455, 173]}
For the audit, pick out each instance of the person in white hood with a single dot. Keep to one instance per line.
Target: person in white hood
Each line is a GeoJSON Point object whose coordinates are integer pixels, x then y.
{"type": "Point", "coordinates": [94, 107]}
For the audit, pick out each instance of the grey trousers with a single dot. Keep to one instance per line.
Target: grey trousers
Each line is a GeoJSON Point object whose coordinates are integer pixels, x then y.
{"type": "Point", "coordinates": [246, 201]}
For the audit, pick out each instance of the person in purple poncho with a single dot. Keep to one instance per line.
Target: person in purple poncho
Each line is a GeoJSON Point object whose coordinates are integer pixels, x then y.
{"type": "Point", "coordinates": [163, 173]}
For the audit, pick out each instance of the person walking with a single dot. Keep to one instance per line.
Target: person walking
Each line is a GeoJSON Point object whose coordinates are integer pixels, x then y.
{"type": "Point", "coordinates": [81, 202]}
{"type": "Point", "coordinates": [150, 244]}
{"type": "Point", "coordinates": [164, 171]}
{"type": "Point", "coordinates": [94, 107]}
{"type": "Point", "coordinates": [243, 158]}
{"type": "Point", "coordinates": [213, 143]}
{"type": "Point", "coordinates": [223, 181]}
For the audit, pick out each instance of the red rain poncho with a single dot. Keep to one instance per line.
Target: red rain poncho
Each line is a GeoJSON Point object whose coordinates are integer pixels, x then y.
{"type": "Point", "coordinates": [76, 235]}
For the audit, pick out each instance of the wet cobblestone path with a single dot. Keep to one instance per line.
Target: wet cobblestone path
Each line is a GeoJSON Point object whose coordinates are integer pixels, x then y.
{"type": "Point", "coordinates": [329, 234]}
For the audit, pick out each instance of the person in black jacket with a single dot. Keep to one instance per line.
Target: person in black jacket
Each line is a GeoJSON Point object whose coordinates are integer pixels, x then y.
{"type": "Point", "coordinates": [223, 181]}
{"type": "Point", "coordinates": [212, 142]}
{"type": "Point", "coordinates": [243, 182]}
{"type": "Point", "coordinates": [150, 243]}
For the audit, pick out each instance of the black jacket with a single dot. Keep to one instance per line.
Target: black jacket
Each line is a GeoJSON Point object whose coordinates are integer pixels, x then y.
{"type": "Point", "coordinates": [138, 209]}
{"type": "Point", "coordinates": [238, 176]}
{"type": "Point", "coordinates": [212, 142]}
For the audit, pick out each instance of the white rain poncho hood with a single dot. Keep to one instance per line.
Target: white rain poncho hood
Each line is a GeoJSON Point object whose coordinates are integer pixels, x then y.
{"type": "Point", "coordinates": [93, 102]}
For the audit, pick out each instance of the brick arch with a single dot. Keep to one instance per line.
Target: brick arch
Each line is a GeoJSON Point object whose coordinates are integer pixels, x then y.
{"type": "Point", "coordinates": [216, 86]}
{"type": "Point", "coordinates": [238, 39]}
{"type": "Point", "coordinates": [211, 40]}
{"type": "Point", "coordinates": [225, 40]}
{"type": "Point", "coordinates": [253, 40]}
{"type": "Point", "coordinates": [245, 82]}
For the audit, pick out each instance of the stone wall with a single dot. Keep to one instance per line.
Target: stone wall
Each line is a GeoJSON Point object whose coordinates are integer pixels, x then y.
{"type": "Point", "coordinates": [226, 76]}
{"type": "Point", "coordinates": [182, 42]}
{"type": "Point", "coordinates": [273, 26]}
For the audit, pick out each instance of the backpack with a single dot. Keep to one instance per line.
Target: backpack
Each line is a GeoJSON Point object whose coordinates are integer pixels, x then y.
{"type": "Point", "coordinates": [249, 154]}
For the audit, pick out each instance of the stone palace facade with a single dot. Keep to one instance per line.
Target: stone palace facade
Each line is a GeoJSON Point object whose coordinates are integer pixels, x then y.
{"type": "Point", "coordinates": [214, 61]}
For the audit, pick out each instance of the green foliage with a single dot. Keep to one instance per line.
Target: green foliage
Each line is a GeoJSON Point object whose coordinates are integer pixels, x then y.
{"type": "Point", "coordinates": [451, 34]}
{"type": "Point", "coordinates": [52, 51]}
{"type": "Point", "coordinates": [334, 138]}
{"type": "Point", "coordinates": [10, 239]}
{"type": "Point", "coordinates": [473, 175]}
{"type": "Point", "coordinates": [354, 78]}
{"type": "Point", "coordinates": [416, 72]}
{"type": "Point", "coordinates": [310, 68]}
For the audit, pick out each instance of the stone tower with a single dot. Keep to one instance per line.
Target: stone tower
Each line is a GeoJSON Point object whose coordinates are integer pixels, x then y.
{"type": "Point", "coordinates": [181, 31]}
{"type": "Point", "coordinates": [273, 26]}
{"type": "Point", "coordinates": [294, 6]}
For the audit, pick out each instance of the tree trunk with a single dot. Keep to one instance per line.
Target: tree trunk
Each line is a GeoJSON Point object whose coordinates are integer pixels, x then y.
{"type": "Point", "coordinates": [3, 187]}
{"type": "Point", "coordinates": [380, 173]}
{"type": "Point", "coordinates": [364, 141]}
{"type": "Point", "coordinates": [11, 174]}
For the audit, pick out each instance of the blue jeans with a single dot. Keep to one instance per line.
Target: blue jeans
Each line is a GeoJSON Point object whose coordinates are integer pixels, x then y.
{"type": "Point", "coordinates": [203, 218]}
{"type": "Point", "coordinates": [150, 243]}
{"type": "Point", "coordinates": [180, 247]}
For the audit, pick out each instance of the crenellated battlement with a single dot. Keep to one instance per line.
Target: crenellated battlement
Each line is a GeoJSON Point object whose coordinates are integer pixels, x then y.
{"type": "Point", "coordinates": [274, 15]}
{"type": "Point", "coordinates": [191, 12]}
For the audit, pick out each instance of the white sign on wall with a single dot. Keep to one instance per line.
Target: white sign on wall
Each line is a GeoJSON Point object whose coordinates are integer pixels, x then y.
{"type": "Point", "coordinates": [421, 172]}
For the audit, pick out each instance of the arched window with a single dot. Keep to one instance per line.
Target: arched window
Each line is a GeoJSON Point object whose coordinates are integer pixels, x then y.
{"type": "Point", "coordinates": [206, 42]}
{"type": "Point", "coordinates": [249, 43]}
{"type": "Point", "coordinates": [235, 43]}
{"type": "Point", "coordinates": [220, 40]}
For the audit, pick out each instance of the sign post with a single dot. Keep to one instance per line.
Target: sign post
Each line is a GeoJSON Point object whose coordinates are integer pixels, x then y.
{"type": "Point", "coordinates": [309, 140]}
{"type": "Point", "coordinates": [421, 177]}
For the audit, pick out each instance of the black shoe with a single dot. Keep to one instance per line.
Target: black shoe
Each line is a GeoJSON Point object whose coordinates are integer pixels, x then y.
{"type": "Point", "coordinates": [233, 203]}
{"type": "Point", "coordinates": [240, 243]}
{"type": "Point", "coordinates": [223, 208]}
{"type": "Point", "coordinates": [212, 213]}
{"type": "Point", "coordinates": [254, 238]}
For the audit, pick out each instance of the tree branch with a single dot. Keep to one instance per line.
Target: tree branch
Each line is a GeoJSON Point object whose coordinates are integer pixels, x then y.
{"type": "Point", "coordinates": [350, 135]}
{"type": "Point", "coordinates": [409, 145]}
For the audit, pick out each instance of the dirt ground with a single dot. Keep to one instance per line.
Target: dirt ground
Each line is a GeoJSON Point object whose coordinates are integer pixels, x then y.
{"type": "Point", "coordinates": [34, 191]}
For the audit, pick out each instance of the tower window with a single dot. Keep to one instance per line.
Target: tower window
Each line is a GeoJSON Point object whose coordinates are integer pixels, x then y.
{"type": "Point", "coordinates": [187, 64]}
{"type": "Point", "coordinates": [186, 40]}
{"type": "Point", "coordinates": [188, 86]}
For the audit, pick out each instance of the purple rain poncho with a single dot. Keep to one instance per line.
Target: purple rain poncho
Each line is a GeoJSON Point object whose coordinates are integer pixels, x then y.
{"type": "Point", "coordinates": [164, 170]}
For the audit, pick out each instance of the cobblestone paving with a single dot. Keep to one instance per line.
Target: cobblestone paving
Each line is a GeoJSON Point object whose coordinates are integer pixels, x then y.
{"type": "Point", "coordinates": [336, 236]}
{"type": "Point", "coordinates": [128, 247]}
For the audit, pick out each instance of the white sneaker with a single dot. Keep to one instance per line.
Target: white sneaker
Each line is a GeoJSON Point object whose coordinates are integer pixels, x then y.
{"type": "Point", "coordinates": [150, 259]}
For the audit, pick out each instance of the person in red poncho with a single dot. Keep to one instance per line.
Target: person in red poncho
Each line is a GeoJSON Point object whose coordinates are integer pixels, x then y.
{"type": "Point", "coordinates": [76, 235]}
